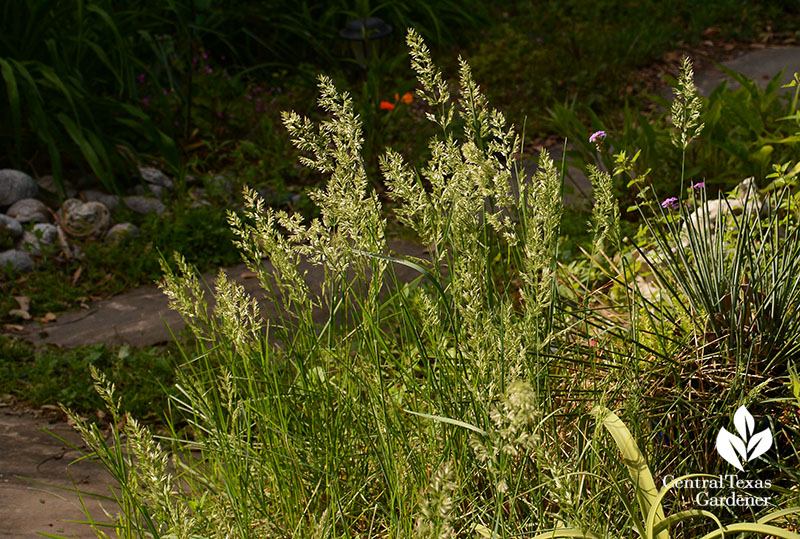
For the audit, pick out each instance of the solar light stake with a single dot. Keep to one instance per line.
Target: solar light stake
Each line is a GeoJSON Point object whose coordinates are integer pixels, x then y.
{"type": "Point", "coordinates": [364, 36]}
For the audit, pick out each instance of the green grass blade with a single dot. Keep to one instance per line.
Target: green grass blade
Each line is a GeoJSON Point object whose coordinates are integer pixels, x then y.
{"type": "Point", "coordinates": [450, 421]}
{"type": "Point", "coordinates": [567, 532]}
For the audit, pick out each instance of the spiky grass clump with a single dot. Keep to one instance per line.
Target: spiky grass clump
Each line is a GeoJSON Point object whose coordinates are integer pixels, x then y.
{"type": "Point", "coordinates": [451, 405]}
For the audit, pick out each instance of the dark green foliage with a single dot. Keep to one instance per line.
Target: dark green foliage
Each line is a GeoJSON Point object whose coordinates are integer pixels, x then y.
{"type": "Point", "coordinates": [744, 132]}
{"type": "Point", "coordinates": [68, 82]}
{"type": "Point", "coordinates": [588, 50]}
{"type": "Point", "coordinates": [51, 376]}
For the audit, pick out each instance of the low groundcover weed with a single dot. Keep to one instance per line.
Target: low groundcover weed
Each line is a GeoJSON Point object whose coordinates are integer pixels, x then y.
{"type": "Point", "coordinates": [456, 404]}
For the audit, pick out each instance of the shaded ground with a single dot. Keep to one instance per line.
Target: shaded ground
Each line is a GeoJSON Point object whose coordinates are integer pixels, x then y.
{"type": "Point", "coordinates": [34, 466]}
{"type": "Point", "coordinates": [139, 317]}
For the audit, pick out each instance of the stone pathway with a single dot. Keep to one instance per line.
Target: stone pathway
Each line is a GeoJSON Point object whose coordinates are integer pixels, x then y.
{"type": "Point", "coordinates": [34, 468]}
{"type": "Point", "coordinates": [140, 317]}
{"type": "Point", "coordinates": [759, 66]}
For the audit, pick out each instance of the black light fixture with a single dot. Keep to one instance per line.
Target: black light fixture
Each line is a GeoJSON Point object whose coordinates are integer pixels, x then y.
{"type": "Point", "coordinates": [364, 36]}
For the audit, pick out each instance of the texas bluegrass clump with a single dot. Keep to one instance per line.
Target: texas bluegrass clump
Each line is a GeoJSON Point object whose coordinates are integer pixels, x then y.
{"type": "Point", "coordinates": [450, 404]}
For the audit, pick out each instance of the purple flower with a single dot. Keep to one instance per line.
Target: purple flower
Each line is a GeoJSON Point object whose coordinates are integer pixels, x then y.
{"type": "Point", "coordinates": [699, 185]}
{"type": "Point", "coordinates": [141, 77]}
{"type": "Point", "coordinates": [597, 137]}
{"type": "Point", "coordinates": [176, 123]}
{"type": "Point", "coordinates": [248, 97]}
{"type": "Point", "coordinates": [671, 203]}
{"type": "Point", "coordinates": [208, 69]}
{"type": "Point", "coordinates": [164, 91]}
{"type": "Point", "coordinates": [205, 56]}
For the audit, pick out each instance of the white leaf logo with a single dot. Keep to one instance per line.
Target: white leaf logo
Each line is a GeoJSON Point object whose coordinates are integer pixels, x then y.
{"type": "Point", "coordinates": [747, 445]}
{"type": "Point", "coordinates": [728, 445]}
{"type": "Point", "coordinates": [744, 422]}
{"type": "Point", "coordinates": [759, 444]}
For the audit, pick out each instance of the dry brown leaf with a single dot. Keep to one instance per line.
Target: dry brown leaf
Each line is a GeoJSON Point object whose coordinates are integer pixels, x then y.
{"type": "Point", "coordinates": [49, 317]}
{"type": "Point", "coordinates": [248, 275]}
{"type": "Point", "coordinates": [24, 302]}
{"type": "Point", "coordinates": [19, 313]}
{"type": "Point", "coordinates": [12, 327]}
{"type": "Point", "coordinates": [77, 275]}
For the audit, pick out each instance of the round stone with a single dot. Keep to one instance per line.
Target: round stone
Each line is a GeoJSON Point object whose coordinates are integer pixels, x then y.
{"type": "Point", "coordinates": [121, 232]}
{"type": "Point", "coordinates": [155, 177]}
{"type": "Point", "coordinates": [15, 185]}
{"type": "Point", "coordinates": [144, 205]}
{"type": "Point", "coordinates": [29, 210]}
{"type": "Point", "coordinates": [18, 261]}
{"type": "Point", "coordinates": [10, 226]}
{"type": "Point", "coordinates": [84, 219]}
{"type": "Point", "coordinates": [48, 183]}
{"type": "Point", "coordinates": [39, 240]}
{"type": "Point", "coordinates": [109, 201]}
{"type": "Point", "coordinates": [149, 189]}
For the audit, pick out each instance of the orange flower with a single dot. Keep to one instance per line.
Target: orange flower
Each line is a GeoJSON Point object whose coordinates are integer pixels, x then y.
{"type": "Point", "coordinates": [385, 105]}
{"type": "Point", "coordinates": [407, 98]}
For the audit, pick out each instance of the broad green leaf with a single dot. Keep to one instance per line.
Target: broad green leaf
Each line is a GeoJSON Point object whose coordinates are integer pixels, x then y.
{"type": "Point", "coordinates": [671, 520]}
{"type": "Point", "coordinates": [646, 491]}
{"type": "Point", "coordinates": [87, 150]}
{"type": "Point", "coordinates": [14, 102]}
{"type": "Point", "coordinates": [753, 527]}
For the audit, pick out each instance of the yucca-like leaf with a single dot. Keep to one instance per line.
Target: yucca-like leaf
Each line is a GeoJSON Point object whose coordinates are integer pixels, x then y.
{"type": "Point", "coordinates": [656, 522]}
{"type": "Point", "coordinates": [645, 487]}
{"type": "Point", "coordinates": [760, 529]}
{"type": "Point", "coordinates": [671, 520]}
